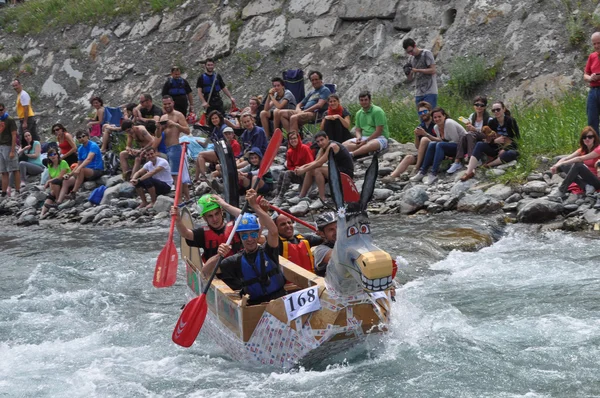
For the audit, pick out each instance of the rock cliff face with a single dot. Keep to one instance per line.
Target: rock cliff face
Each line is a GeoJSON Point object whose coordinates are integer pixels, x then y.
{"type": "Point", "coordinates": [355, 43]}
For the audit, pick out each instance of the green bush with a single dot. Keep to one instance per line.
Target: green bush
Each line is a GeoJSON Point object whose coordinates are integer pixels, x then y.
{"type": "Point", "coordinates": [467, 74]}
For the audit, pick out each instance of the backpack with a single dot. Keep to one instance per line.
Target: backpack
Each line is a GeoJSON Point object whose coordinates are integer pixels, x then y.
{"type": "Point", "coordinates": [97, 194]}
{"type": "Point", "coordinates": [111, 163]}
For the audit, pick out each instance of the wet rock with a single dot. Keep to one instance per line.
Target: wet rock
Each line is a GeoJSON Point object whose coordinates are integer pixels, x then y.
{"type": "Point", "coordinates": [538, 211]}
{"type": "Point", "coordinates": [575, 224]}
{"type": "Point", "coordinates": [27, 220]}
{"type": "Point", "coordinates": [535, 187]}
{"type": "Point", "coordinates": [499, 191]}
{"type": "Point", "coordinates": [451, 202]}
{"type": "Point", "coordinates": [163, 203]}
{"type": "Point", "coordinates": [478, 203]}
{"type": "Point", "coordinates": [463, 239]}
{"type": "Point", "coordinates": [88, 215]}
{"type": "Point", "coordinates": [413, 199]}
{"type": "Point", "coordinates": [592, 216]}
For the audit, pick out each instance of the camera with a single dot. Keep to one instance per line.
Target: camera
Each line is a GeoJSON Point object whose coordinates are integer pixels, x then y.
{"type": "Point", "coordinates": [407, 69]}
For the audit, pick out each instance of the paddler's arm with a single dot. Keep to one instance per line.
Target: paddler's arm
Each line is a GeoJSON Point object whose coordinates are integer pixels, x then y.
{"type": "Point", "coordinates": [234, 211]}
{"type": "Point", "coordinates": [264, 218]}
{"type": "Point", "coordinates": [184, 231]}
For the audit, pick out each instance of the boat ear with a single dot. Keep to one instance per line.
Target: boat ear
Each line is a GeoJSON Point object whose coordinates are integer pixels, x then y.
{"type": "Point", "coordinates": [369, 183]}
{"type": "Point", "coordinates": [335, 182]}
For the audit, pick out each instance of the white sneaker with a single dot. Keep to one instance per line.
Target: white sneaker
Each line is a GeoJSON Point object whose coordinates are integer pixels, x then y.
{"type": "Point", "coordinates": [431, 179]}
{"type": "Point", "coordinates": [417, 177]}
{"type": "Point", "coordinates": [479, 163]}
{"type": "Point", "coordinates": [316, 205]}
{"type": "Point", "coordinates": [454, 168]}
{"type": "Point", "coordinates": [589, 189]}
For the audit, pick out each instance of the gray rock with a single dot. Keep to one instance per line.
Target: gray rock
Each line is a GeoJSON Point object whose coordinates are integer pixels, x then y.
{"type": "Point", "coordinates": [478, 203]}
{"type": "Point", "coordinates": [162, 214]}
{"type": "Point", "coordinates": [174, 20]}
{"type": "Point", "coordinates": [393, 157]}
{"type": "Point", "coordinates": [382, 194]}
{"type": "Point", "coordinates": [35, 199]}
{"type": "Point", "coordinates": [310, 7]}
{"type": "Point", "coordinates": [538, 211]}
{"type": "Point", "coordinates": [126, 190]}
{"type": "Point", "coordinates": [131, 214]}
{"type": "Point", "coordinates": [122, 29]}
{"type": "Point", "coordinates": [144, 27]}
{"type": "Point", "coordinates": [90, 185]}
{"type": "Point", "coordinates": [462, 186]}
{"type": "Point", "coordinates": [452, 202]}
{"type": "Point", "coordinates": [259, 7]}
{"type": "Point", "coordinates": [104, 213]}
{"type": "Point", "coordinates": [356, 10]}
{"type": "Point", "coordinates": [575, 224]}
{"type": "Point", "coordinates": [263, 32]}
{"type": "Point", "coordinates": [67, 205]}
{"type": "Point", "coordinates": [535, 177]}
{"type": "Point", "coordinates": [301, 208]}
{"type": "Point", "coordinates": [499, 191]}
{"type": "Point", "coordinates": [413, 199]}
{"type": "Point", "coordinates": [592, 216]}
{"type": "Point", "coordinates": [515, 197]}
{"type": "Point", "coordinates": [298, 28]}
{"type": "Point", "coordinates": [535, 186]}
{"type": "Point", "coordinates": [202, 189]}
{"type": "Point", "coordinates": [495, 172]}
{"type": "Point", "coordinates": [88, 215]}
{"type": "Point", "coordinates": [114, 180]}
{"type": "Point", "coordinates": [163, 203]}
{"type": "Point", "coordinates": [27, 220]}
{"type": "Point", "coordinates": [110, 194]}
{"type": "Point", "coordinates": [211, 40]}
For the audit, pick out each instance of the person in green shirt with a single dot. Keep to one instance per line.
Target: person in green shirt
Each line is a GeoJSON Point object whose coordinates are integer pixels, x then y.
{"type": "Point", "coordinates": [372, 131]}
{"type": "Point", "coordinates": [57, 169]}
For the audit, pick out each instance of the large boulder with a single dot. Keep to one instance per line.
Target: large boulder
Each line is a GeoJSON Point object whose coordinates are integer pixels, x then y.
{"type": "Point", "coordinates": [126, 190]}
{"type": "Point", "coordinates": [478, 203]}
{"type": "Point", "coordinates": [413, 199]}
{"type": "Point", "coordinates": [535, 187]}
{"type": "Point", "coordinates": [539, 210]}
{"type": "Point", "coordinates": [163, 203]}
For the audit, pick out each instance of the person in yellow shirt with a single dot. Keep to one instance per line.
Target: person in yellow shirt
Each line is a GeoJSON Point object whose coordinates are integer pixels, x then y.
{"type": "Point", "coordinates": [25, 113]}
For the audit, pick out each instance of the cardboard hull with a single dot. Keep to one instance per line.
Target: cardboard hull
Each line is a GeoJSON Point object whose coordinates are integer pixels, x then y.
{"type": "Point", "coordinates": [263, 334]}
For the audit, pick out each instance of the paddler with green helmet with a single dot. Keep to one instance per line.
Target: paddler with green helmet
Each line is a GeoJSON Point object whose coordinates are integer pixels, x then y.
{"type": "Point", "coordinates": [216, 230]}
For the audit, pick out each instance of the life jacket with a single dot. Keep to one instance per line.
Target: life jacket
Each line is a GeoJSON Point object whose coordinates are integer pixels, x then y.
{"type": "Point", "coordinates": [298, 253]}
{"type": "Point", "coordinates": [207, 82]}
{"type": "Point", "coordinates": [212, 240]}
{"type": "Point", "coordinates": [261, 278]}
{"type": "Point", "coordinates": [177, 87]}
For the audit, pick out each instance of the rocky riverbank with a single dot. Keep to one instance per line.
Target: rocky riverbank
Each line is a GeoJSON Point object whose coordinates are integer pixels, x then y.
{"type": "Point", "coordinates": [527, 203]}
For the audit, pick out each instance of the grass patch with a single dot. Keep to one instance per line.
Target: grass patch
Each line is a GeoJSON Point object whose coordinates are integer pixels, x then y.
{"type": "Point", "coordinates": [35, 16]}
{"type": "Point", "coordinates": [548, 128]}
{"type": "Point", "coordinates": [10, 62]}
{"type": "Point", "coordinates": [469, 73]}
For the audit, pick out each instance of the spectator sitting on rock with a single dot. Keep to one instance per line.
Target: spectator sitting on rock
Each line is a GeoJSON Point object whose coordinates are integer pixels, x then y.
{"type": "Point", "coordinates": [424, 134]}
{"type": "Point", "coordinates": [580, 167]}
{"type": "Point", "coordinates": [143, 139]}
{"type": "Point", "coordinates": [501, 142]}
{"type": "Point", "coordinates": [247, 176]}
{"type": "Point", "coordinates": [253, 136]}
{"type": "Point", "coordinates": [90, 165]}
{"type": "Point", "coordinates": [336, 123]}
{"type": "Point", "coordinates": [298, 154]}
{"type": "Point", "coordinates": [252, 109]}
{"type": "Point", "coordinates": [146, 111]}
{"type": "Point", "coordinates": [217, 121]}
{"type": "Point", "coordinates": [315, 101]}
{"type": "Point", "coordinates": [371, 128]}
{"type": "Point", "coordinates": [279, 98]}
{"type": "Point", "coordinates": [173, 123]}
{"type": "Point", "coordinates": [33, 165]}
{"type": "Point", "coordinates": [450, 133]}
{"type": "Point", "coordinates": [108, 129]}
{"type": "Point", "coordinates": [95, 124]}
{"type": "Point", "coordinates": [57, 169]}
{"type": "Point", "coordinates": [154, 177]}
{"type": "Point", "coordinates": [66, 144]}
{"type": "Point", "coordinates": [317, 171]}
{"type": "Point", "coordinates": [474, 124]}
{"type": "Point", "coordinates": [179, 89]}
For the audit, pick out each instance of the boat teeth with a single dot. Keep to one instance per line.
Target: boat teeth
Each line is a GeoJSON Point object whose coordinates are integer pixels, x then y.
{"type": "Point", "coordinates": [376, 284]}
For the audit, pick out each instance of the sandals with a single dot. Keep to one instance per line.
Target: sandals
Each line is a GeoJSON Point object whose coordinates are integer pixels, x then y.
{"type": "Point", "coordinates": [467, 176]}
{"type": "Point", "coordinates": [50, 206]}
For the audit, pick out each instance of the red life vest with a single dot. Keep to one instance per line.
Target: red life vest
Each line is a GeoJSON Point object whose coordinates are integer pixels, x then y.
{"type": "Point", "coordinates": [212, 240]}
{"type": "Point", "coordinates": [298, 253]}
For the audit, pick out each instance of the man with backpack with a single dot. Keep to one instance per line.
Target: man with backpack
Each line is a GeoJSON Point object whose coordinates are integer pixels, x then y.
{"type": "Point", "coordinates": [209, 85]}
{"type": "Point", "coordinates": [179, 89]}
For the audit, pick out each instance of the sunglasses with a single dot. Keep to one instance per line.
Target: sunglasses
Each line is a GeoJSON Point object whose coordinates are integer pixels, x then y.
{"type": "Point", "coordinates": [52, 154]}
{"type": "Point", "coordinates": [479, 105]}
{"type": "Point", "coordinates": [245, 236]}
{"type": "Point", "coordinates": [80, 137]}
{"type": "Point", "coordinates": [496, 109]}
{"type": "Point", "coordinates": [425, 112]}
{"type": "Point", "coordinates": [590, 137]}
{"type": "Point", "coordinates": [1, 109]}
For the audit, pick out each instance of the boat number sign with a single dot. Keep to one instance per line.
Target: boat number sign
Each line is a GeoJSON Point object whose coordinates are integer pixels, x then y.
{"type": "Point", "coordinates": [302, 302]}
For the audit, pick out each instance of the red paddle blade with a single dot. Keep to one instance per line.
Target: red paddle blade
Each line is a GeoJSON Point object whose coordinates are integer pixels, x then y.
{"type": "Point", "coordinates": [350, 192]}
{"type": "Point", "coordinates": [190, 322]}
{"type": "Point", "coordinates": [165, 273]}
{"type": "Point", "coordinates": [270, 153]}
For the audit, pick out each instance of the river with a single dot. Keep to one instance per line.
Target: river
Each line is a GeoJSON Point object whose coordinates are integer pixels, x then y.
{"type": "Point", "coordinates": [79, 317]}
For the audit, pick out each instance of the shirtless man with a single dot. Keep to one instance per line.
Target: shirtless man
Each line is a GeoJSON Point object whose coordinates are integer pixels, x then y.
{"type": "Point", "coordinates": [173, 123]}
{"type": "Point", "coordinates": [143, 138]}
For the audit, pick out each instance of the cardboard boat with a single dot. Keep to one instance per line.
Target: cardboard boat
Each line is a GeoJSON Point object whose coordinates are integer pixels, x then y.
{"type": "Point", "coordinates": [277, 333]}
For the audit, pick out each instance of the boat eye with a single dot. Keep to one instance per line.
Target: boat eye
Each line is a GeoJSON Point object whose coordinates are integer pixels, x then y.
{"type": "Point", "coordinates": [365, 229]}
{"type": "Point", "coordinates": [352, 230]}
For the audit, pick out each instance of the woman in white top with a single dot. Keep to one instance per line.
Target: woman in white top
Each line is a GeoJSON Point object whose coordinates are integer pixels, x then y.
{"type": "Point", "coordinates": [476, 121]}
{"type": "Point", "coordinates": [449, 135]}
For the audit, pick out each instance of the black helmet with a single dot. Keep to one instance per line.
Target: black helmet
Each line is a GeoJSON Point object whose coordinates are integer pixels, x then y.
{"type": "Point", "coordinates": [325, 219]}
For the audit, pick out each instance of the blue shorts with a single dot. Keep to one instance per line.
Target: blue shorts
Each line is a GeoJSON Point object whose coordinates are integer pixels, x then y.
{"type": "Point", "coordinates": [174, 156]}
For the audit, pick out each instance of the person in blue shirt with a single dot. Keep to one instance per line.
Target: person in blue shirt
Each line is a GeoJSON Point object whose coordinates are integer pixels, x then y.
{"type": "Point", "coordinates": [306, 110]}
{"type": "Point", "coordinates": [253, 136]}
{"type": "Point", "coordinates": [90, 165]}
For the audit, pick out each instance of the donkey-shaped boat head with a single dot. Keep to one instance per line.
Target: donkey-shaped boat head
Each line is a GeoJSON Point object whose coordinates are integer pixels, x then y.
{"type": "Point", "coordinates": [356, 264]}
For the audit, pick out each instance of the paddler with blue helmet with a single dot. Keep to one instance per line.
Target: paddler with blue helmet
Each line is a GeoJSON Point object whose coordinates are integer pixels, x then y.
{"type": "Point", "coordinates": [216, 230]}
{"type": "Point", "coordinates": [255, 270]}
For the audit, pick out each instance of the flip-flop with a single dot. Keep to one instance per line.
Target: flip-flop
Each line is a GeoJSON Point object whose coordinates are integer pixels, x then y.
{"type": "Point", "coordinates": [50, 206]}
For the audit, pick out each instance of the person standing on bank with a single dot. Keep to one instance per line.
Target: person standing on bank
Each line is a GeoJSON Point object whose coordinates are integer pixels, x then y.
{"type": "Point", "coordinates": [423, 71]}
{"type": "Point", "coordinates": [209, 85]}
{"type": "Point", "coordinates": [25, 113]}
{"type": "Point", "coordinates": [179, 89]}
{"type": "Point", "coordinates": [591, 75]}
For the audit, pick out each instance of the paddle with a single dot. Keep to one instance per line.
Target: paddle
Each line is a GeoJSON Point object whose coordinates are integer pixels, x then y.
{"type": "Point", "coordinates": [165, 273]}
{"type": "Point", "coordinates": [193, 315]}
{"type": "Point", "coordinates": [291, 217]}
